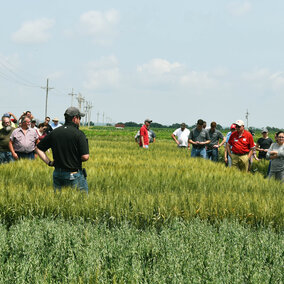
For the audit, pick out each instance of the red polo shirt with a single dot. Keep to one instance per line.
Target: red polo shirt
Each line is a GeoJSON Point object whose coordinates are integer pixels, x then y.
{"type": "Point", "coordinates": [241, 144]}
{"type": "Point", "coordinates": [144, 133]}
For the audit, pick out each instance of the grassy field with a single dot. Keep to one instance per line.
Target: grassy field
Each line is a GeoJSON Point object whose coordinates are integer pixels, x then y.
{"type": "Point", "coordinates": [150, 216]}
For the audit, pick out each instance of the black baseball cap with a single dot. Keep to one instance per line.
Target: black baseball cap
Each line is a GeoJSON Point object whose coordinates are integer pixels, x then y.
{"type": "Point", "coordinates": [73, 111]}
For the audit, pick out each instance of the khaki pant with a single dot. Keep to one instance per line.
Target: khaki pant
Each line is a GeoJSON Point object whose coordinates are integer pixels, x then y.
{"type": "Point", "coordinates": [241, 162]}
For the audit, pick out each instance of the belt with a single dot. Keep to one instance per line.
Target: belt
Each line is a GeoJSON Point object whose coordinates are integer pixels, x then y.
{"type": "Point", "coordinates": [71, 171]}
{"type": "Point", "coordinates": [240, 154]}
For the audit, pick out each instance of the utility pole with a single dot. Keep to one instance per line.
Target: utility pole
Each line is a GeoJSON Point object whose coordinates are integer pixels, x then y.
{"type": "Point", "coordinates": [80, 100]}
{"type": "Point", "coordinates": [89, 107]}
{"type": "Point", "coordinates": [72, 95]}
{"type": "Point", "coordinates": [247, 118]}
{"type": "Point", "coordinates": [103, 118]}
{"type": "Point", "coordinates": [98, 115]}
{"type": "Point", "coordinates": [46, 96]}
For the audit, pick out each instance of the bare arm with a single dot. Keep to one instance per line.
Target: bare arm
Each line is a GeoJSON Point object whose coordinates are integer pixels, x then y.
{"type": "Point", "coordinates": [12, 150]}
{"type": "Point", "coordinates": [223, 142]}
{"type": "Point", "coordinates": [44, 157]}
{"type": "Point", "coordinates": [174, 137]}
{"type": "Point", "coordinates": [85, 157]}
{"type": "Point", "coordinates": [228, 150]}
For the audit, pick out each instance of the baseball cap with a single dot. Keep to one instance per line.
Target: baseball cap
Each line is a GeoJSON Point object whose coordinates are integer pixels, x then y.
{"type": "Point", "coordinates": [6, 115]}
{"type": "Point", "coordinates": [233, 126]}
{"type": "Point", "coordinates": [73, 111]}
{"type": "Point", "coordinates": [55, 119]}
{"type": "Point", "coordinates": [183, 125]}
{"type": "Point", "coordinates": [264, 130]}
{"type": "Point", "coordinates": [148, 120]}
{"type": "Point", "coordinates": [239, 123]}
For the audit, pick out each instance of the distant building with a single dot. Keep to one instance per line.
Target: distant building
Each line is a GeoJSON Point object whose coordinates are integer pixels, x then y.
{"type": "Point", "coordinates": [119, 126]}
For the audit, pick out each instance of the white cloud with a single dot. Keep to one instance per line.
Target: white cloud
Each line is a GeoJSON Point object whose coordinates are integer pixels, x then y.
{"type": "Point", "coordinates": [159, 66]}
{"type": "Point", "coordinates": [238, 8]}
{"type": "Point", "coordinates": [36, 31]}
{"type": "Point", "coordinates": [198, 80]}
{"type": "Point", "coordinates": [101, 26]}
{"type": "Point", "coordinates": [103, 74]}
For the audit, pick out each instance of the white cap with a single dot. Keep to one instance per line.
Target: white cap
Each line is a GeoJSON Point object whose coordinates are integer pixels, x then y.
{"type": "Point", "coordinates": [239, 123]}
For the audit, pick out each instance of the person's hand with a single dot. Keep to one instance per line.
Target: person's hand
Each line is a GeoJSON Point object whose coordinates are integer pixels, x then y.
{"type": "Point", "coordinates": [226, 160]}
{"type": "Point", "coordinates": [15, 156]}
{"type": "Point", "coordinates": [216, 146]}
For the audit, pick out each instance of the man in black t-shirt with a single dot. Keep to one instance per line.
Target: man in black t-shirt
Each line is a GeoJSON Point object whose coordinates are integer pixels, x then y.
{"type": "Point", "coordinates": [70, 148]}
{"type": "Point", "coordinates": [263, 144]}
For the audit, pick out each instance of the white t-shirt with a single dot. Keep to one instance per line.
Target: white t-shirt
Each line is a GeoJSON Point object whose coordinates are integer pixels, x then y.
{"type": "Point", "coordinates": [182, 136]}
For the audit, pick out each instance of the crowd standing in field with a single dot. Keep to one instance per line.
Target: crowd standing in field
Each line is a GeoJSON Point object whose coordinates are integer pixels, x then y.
{"type": "Point", "coordinates": [21, 142]}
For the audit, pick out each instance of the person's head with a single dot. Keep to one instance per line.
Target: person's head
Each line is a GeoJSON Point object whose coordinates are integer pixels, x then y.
{"type": "Point", "coordinates": [42, 127]}
{"type": "Point", "coordinates": [73, 114]}
{"type": "Point", "coordinates": [240, 126]}
{"type": "Point", "coordinates": [204, 124]}
{"type": "Point", "coordinates": [182, 126]}
{"type": "Point", "coordinates": [47, 119]}
{"type": "Point", "coordinates": [6, 123]}
{"type": "Point", "coordinates": [280, 137]}
{"type": "Point", "coordinates": [233, 127]}
{"type": "Point", "coordinates": [33, 123]}
{"type": "Point", "coordinates": [28, 113]}
{"type": "Point", "coordinates": [264, 132]}
{"type": "Point", "coordinates": [147, 122]}
{"type": "Point", "coordinates": [199, 124]}
{"type": "Point", "coordinates": [213, 125]}
{"type": "Point", "coordinates": [25, 122]}
{"type": "Point", "coordinates": [55, 120]}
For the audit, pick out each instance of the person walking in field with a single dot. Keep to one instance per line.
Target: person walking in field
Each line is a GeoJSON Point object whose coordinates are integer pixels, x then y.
{"type": "Point", "coordinates": [151, 135]}
{"type": "Point", "coordinates": [199, 138]}
{"type": "Point", "coordinates": [23, 140]}
{"type": "Point", "coordinates": [70, 148]}
{"type": "Point", "coordinates": [240, 147]}
{"type": "Point", "coordinates": [212, 151]}
{"type": "Point", "coordinates": [276, 155]}
{"type": "Point", "coordinates": [5, 133]}
{"type": "Point", "coordinates": [263, 144]}
{"type": "Point", "coordinates": [144, 136]}
{"type": "Point", "coordinates": [180, 136]}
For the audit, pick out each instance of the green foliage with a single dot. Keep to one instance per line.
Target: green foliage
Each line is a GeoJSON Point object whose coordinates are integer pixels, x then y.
{"type": "Point", "coordinates": [127, 183]}
{"type": "Point", "coordinates": [56, 251]}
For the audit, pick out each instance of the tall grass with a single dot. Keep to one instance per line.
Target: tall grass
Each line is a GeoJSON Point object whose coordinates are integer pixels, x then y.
{"type": "Point", "coordinates": [142, 187]}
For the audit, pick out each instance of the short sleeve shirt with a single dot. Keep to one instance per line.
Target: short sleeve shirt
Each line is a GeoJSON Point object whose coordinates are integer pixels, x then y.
{"type": "Point", "coordinates": [264, 143]}
{"type": "Point", "coordinates": [201, 136]}
{"type": "Point", "coordinates": [182, 136]}
{"type": "Point", "coordinates": [24, 142]}
{"type": "Point", "coordinates": [144, 134]}
{"type": "Point", "coordinates": [68, 144]}
{"type": "Point", "coordinates": [241, 144]}
{"type": "Point", "coordinates": [214, 137]}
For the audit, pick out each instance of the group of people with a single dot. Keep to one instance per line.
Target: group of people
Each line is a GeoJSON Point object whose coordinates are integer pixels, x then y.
{"type": "Point", "coordinates": [240, 147]}
{"type": "Point", "coordinates": [69, 145]}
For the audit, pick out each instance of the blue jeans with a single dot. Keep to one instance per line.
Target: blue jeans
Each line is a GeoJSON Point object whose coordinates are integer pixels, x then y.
{"type": "Point", "coordinates": [6, 157]}
{"type": "Point", "coordinates": [62, 178]}
{"type": "Point", "coordinates": [195, 152]}
{"type": "Point", "coordinates": [30, 155]}
{"type": "Point", "coordinates": [213, 154]}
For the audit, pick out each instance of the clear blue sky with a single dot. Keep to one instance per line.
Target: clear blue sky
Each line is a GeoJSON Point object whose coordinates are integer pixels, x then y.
{"type": "Point", "coordinates": [171, 61]}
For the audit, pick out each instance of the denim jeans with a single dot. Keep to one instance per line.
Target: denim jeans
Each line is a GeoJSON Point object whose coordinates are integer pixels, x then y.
{"type": "Point", "coordinates": [195, 152]}
{"type": "Point", "coordinates": [62, 178]}
{"type": "Point", "coordinates": [6, 157]}
{"type": "Point", "coordinates": [212, 154]}
{"type": "Point", "coordinates": [30, 155]}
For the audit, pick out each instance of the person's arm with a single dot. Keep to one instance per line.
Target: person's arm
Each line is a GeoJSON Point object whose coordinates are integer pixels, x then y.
{"type": "Point", "coordinates": [174, 137]}
{"type": "Point", "coordinates": [257, 147]}
{"type": "Point", "coordinates": [190, 141]}
{"type": "Point", "coordinates": [85, 157]}
{"type": "Point", "coordinates": [15, 118]}
{"type": "Point", "coordinates": [250, 152]}
{"type": "Point", "coordinates": [12, 150]}
{"type": "Point", "coordinates": [222, 143]}
{"type": "Point", "coordinates": [44, 157]}
{"type": "Point", "coordinates": [228, 149]}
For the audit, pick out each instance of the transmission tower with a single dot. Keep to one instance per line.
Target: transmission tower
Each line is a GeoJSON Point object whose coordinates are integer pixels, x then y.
{"type": "Point", "coordinates": [80, 100]}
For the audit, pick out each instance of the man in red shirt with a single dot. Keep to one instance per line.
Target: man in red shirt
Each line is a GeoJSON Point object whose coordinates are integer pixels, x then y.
{"type": "Point", "coordinates": [242, 145]}
{"type": "Point", "coordinates": [144, 138]}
